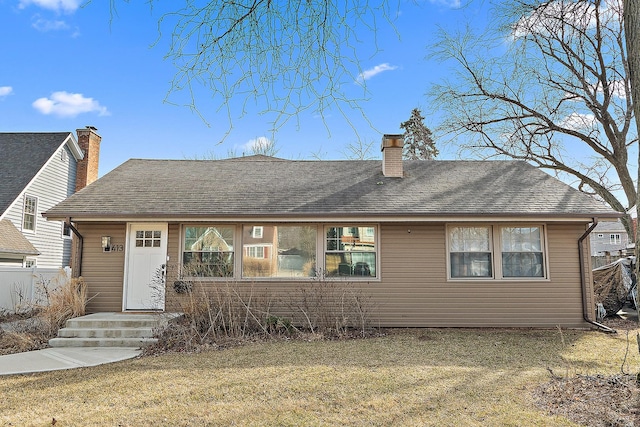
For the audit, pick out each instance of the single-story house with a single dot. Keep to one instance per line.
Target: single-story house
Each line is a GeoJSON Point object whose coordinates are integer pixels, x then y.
{"type": "Point", "coordinates": [431, 243]}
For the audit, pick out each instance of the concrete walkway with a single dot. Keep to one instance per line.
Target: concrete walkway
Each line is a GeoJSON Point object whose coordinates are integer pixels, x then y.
{"type": "Point", "coordinates": [53, 359]}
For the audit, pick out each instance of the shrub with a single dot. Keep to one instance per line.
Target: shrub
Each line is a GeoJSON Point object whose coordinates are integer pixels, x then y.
{"type": "Point", "coordinates": [61, 298]}
{"type": "Point", "coordinates": [218, 313]}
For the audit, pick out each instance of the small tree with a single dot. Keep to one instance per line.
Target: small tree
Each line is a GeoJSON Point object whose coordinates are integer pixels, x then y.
{"type": "Point", "coordinates": [418, 141]}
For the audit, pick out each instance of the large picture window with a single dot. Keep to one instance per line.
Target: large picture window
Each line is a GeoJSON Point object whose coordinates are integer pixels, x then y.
{"type": "Point", "coordinates": [350, 251]}
{"type": "Point", "coordinates": [208, 251]}
{"type": "Point", "coordinates": [278, 251]}
{"type": "Point", "coordinates": [520, 252]}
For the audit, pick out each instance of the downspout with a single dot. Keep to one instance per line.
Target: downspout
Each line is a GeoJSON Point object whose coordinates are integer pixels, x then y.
{"type": "Point", "coordinates": [583, 282]}
{"type": "Point", "coordinates": [80, 245]}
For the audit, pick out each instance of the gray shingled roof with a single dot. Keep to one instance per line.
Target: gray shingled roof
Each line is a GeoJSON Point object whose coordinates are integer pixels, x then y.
{"type": "Point", "coordinates": [262, 186]}
{"type": "Point", "coordinates": [22, 155]}
{"type": "Point", "coordinates": [13, 242]}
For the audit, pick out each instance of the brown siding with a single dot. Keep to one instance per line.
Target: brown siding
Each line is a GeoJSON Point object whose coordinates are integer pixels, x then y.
{"type": "Point", "coordinates": [103, 271]}
{"type": "Point", "coordinates": [413, 290]}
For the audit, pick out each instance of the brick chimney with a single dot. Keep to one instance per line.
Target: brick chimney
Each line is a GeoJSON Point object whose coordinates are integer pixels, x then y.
{"type": "Point", "coordinates": [392, 155]}
{"type": "Point", "coordinates": [89, 142]}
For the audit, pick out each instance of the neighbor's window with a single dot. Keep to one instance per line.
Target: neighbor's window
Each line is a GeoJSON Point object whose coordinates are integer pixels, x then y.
{"type": "Point", "coordinates": [350, 251]}
{"type": "Point", "coordinates": [30, 262]}
{"type": "Point", "coordinates": [614, 239]}
{"type": "Point", "coordinates": [278, 251]}
{"type": "Point", "coordinates": [522, 252]}
{"type": "Point", "coordinates": [29, 213]}
{"type": "Point", "coordinates": [470, 252]}
{"type": "Point", "coordinates": [208, 251]}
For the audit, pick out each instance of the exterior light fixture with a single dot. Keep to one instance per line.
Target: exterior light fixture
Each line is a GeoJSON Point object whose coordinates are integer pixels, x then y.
{"type": "Point", "coordinates": [106, 243]}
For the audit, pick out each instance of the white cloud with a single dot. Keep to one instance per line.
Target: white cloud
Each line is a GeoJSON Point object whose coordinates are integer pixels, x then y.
{"type": "Point", "coordinates": [45, 25]}
{"type": "Point", "coordinates": [64, 104]}
{"type": "Point", "coordinates": [5, 91]}
{"type": "Point", "coordinates": [67, 6]}
{"type": "Point", "coordinates": [454, 4]}
{"type": "Point", "coordinates": [371, 72]}
{"type": "Point", "coordinates": [581, 15]}
{"type": "Point", "coordinates": [579, 121]}
{"type": "Point", "coordinates": [617, 89]}
{"type": "Point", "coordinates": [260, 144]}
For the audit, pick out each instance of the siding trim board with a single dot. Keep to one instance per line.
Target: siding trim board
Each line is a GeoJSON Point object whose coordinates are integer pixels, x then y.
{"type": "Point", "coordinates": [412, 289]}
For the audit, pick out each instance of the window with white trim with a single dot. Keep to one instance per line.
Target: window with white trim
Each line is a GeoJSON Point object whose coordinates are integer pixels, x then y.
{"type": "Point", "coordinates": [614, 239]}
{"type": "Point", "coordinates": [470, 252]}
{"type": "Point", "coordinates": [30, 262]}
{"type": "Point", "coordinates": [279, 251]}
{"type": "Point", "coordinates": [208, 251]}
{"type": "Point", "coordinates": [520, 251]}
{"type": "Point", "coordinates": [350, 251]}
{"type": "Point", "coordinates": [29, 213]}
{"type": "Point", "coordinates": [256, 232]}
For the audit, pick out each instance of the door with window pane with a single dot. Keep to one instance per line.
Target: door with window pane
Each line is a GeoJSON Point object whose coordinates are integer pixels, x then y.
{"type": "Point", "coordinates": [146, 265]}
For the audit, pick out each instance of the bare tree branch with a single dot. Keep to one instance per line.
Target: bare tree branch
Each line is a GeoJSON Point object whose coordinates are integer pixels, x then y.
{"type": "Point", "coordinates": [558, 97]}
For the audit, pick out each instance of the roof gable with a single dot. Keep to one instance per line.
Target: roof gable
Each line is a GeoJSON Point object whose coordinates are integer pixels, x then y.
{"type": "Point", "coordinates": [263, 186]}
{"type": "Point", "coordinates": [13, 242]}
{"type": "Point", "coordinates": [22, 157]}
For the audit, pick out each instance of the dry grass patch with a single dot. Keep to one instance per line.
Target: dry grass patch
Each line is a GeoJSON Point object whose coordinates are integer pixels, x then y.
{"type": "Point", "coordinates": [408, 377]}
{"type": "Point", "coordinates": [31, 329]}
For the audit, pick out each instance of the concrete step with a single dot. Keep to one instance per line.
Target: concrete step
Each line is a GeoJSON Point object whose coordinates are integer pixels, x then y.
{"type": "Point", "coordinates": [111, 330]}
{"type": "Point", "coordinates": [150, 321]}
{"type": "Point", "coordinates": [101, 342]}
{"type": "Point", "coordinates": [118, 332]}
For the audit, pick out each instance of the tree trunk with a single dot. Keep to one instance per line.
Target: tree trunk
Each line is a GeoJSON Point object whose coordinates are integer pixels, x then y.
{"type": "Point", "coordinates": [632, 38]}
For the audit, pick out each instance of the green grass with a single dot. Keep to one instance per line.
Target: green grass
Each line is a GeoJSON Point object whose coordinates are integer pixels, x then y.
{"type": "Point", "coordinates": [410, 377]}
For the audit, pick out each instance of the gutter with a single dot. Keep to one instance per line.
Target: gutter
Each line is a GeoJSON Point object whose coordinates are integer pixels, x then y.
{"type": "Point", "coordinates": [80, 245]}
{"type": "Point", "coordinates": [583, 283]}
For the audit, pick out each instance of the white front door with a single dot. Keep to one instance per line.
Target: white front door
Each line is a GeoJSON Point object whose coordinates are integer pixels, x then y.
{"type": "Point", "coordinates": [146, 266]}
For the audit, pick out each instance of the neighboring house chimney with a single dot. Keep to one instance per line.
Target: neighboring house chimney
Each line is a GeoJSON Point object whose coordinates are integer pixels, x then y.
{"type": "Point", "coordinates": [392, 155]}
{"type": "Point", "coordinates": [89, 142]}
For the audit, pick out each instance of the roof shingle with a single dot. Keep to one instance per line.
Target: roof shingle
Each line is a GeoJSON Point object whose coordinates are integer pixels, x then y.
{"type": "Point", "coordinates": [22, 155]}
{"type": "Point", "coordinates": [263, 186]}
{"type": "Point", "coordinates": [12, 241]}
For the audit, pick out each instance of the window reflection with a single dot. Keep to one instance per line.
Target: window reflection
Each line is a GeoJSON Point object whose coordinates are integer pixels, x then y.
{"type": "Point", "coordinates": [278, 251]}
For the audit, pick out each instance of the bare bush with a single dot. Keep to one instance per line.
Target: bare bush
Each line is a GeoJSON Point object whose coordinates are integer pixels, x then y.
{"type": "Point", "coordinates": [61, 298]}
{"type": "Point", "coordinates": [66, 299]}
{"type": "Point", "coordinates": [222, 312]}
{"type": "Point", "coordinates": [333, 308]}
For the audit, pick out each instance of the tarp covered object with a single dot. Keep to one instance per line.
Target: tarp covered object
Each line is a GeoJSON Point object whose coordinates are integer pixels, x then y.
{"type": "Point", "coordinates": [612, 284]}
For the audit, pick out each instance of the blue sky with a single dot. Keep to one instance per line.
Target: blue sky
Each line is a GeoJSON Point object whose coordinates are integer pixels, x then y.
{"type": "Point", "coordinates": [65, 66]}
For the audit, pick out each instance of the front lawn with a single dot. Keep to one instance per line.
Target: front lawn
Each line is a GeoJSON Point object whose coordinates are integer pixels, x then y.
{"type": "Point", "coordinates": [414, 377]}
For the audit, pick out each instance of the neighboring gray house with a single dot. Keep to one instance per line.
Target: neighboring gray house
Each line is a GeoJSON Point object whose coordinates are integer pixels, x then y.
{"type": "Point", "coordinates": [37, 171]}
{"type": "Point", "coordinates": [609, 237]}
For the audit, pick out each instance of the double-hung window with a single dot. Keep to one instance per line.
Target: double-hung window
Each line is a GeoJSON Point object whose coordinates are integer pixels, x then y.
{"type": "Point", "coordinates": [208, 251]}
{"type": "Point", "coordinates": [496, 252]}
{"type": "Point", "coordinates": [29, 213]}
{"type": "Point", "coordinates": [350, 251]}
{"type": "Point", "coordinates": [614, 239]}
{"type": "Point", "coordinates": [522, 254]}
{"type": "Point", "coordinates": [470, 252]}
